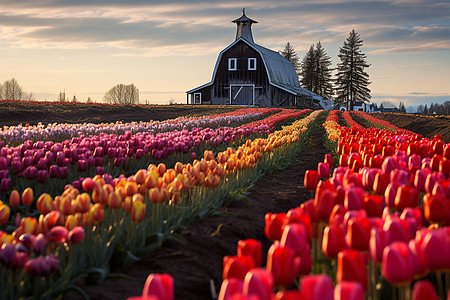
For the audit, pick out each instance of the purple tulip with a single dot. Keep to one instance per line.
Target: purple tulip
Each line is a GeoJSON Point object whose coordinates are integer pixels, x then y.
{"type": "Point", "coordinates": [39, 244]}
{"type": "Point", "coordinates": [30, 173]}
{"type": "Point", "coordinates": [27, 239]}
{"type": "Point", "coordinates": [53, 171]}
{"type": "Point", "coordinates": [99, 170]}
{"type": "Point", "coordinates": [4, 174]}
{"type": "Point", "coordinates": [82, 165]}
{"type": "Point", "coordinates": [5, 184]}
{"type": "Point", "coordinates": [3, 163]}
{"type": "Point", "coordinates": [7, 253]}
{"type": "Point", "coordinates": [63, 172]}
{"type": "Point", "coordinates": [42, 176]}
{"type": "Point", "coordinates": [19, 261]}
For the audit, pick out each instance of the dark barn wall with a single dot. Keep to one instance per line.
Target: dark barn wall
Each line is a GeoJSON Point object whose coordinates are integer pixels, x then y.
{"type": "Point", "coordinates": [258, 77]}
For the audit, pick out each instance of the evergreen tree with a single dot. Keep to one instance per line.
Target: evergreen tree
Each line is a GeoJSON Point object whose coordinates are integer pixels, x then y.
{"type": "Point", "coordinates": [425, 110]}
{"type": "Point", "coordinates": [291, 56]}
{"type": "Point", "coordinates": [324, 86]}
{"type": "Point", "coordinates": [352, 80]}
{"type": "Point", "coordinates": [401, 107]}
{"type": "Point", "coordinates": [316, 72]}
{"type": "Point", "coordinates": [307, 70]}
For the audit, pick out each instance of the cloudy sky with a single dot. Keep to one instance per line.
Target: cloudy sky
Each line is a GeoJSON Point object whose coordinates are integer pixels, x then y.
{"type": "Point", "coordinates": [165, 48]}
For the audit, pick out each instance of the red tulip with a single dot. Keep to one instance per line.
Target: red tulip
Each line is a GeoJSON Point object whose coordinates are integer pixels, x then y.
{"type": "Point", "coordinates": [436, 209]}
{"type": "Point", "coordinates": [380, 183]}
{"type": "Point", "coordinates": [324, 203]}
{"type": "Point", "coordinates": [236, 266]}
{"type": "Point", "coordinates": [289, 295]}
{"type": "Point", "coordinates": [305, 261]}
{"type": "Point", "coordinates": [406, 197]}
{"type": "Point", "coordinates": [273, 225]}
{"type": "Point", "coordinates": [230, 287]}
{"type": "Point", "coordinates": [88, 184]}
{"type": "Point", "coordinates": [349, 290]}
{"type": "Point", "coordinates": [251, 247]}
{"type": "Point", "coordinates": [337, 215]}
{"type": "Point", "coordinates": [294, 237]}
{"type": "Point", "coordinates": [389, 164]}
{"type": "Point", "coordinates": [397, 265]}
{"type": "Point", "coordinates": [283, 265]}
{"type": "Point", "coordinates": [311, 180]}
{"type": "Point", "coordinates": [258, 282]}
{"type": "Point", "coordinates": [373, 205]}
{"type": "Point", "coordinates": [351, 267]}
{"type": "Point", "coordinates": [423, 289]}
{"type": "Point", "coordinates": [317, 287]}
{"type": "Point", "coordinates": [358, 233]}
{"type": "Point", "coordinates": [333, 241]}
{"type": "Point", "coordinates": [309, 209]}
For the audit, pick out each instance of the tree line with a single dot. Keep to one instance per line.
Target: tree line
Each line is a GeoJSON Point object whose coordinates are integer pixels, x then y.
{"type": "Point", "coordinates": [119, 94]}
{"type": "Point", "coordinates": [315, 71]}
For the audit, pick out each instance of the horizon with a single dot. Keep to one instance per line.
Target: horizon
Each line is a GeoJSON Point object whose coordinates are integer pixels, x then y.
{"type": "Point", "coordinates": [87, 47]}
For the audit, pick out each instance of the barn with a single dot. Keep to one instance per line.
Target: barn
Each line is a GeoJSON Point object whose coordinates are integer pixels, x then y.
{"type": "Point", "coordinates": [249, 74]}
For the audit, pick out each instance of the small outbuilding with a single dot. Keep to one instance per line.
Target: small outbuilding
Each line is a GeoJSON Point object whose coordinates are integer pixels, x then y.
{"type": "Point", "coordinates": [249, 74]}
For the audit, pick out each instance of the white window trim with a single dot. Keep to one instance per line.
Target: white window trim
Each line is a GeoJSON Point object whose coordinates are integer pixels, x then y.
{"type": "Point", "coordinates": [200, 98]}
{"type": "Point", "coordinates": [250, 59]}
{"type": "Point", "coordinates": [230, 66]}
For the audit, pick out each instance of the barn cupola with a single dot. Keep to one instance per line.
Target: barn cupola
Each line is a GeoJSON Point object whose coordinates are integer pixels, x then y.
{"type": "Point", "coordinates": [244, 27]}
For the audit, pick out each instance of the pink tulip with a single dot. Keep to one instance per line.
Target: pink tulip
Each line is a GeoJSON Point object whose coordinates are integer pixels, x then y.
{"type": "Point", "coordinates": [317, 287]}
{"type": "Point", "coordinates": [376, 244]}
{"type": "Point", "coordinates": [295, 237]}
{"type": "Point", "coordinates": [396, 229]}
{"type": "Point", "coordinates": [436, 248]}
{"type": "Point", "coordinates": [57, 234]}
{"type": "Point", "coordinates": [323, 170]}
{"type": "Point", "coordinates": [258, 282]}
{"type": "Point", "coordinates": [159, 285]}
{"type": "Point", "coordinates": [230, 287]}
{"type": "Point", "coordinates": [349, 290]}
{"type": "Point", "coordinates": [76, 235]}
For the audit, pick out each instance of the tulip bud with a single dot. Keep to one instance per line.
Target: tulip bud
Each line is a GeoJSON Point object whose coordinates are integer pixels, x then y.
{"type": "Point", "coordinates": [406, 197]}
{"type": "Point", "coordinates": [351, 267]}
{"type": "Point", "coordinates": [230, 287]}
{"type": "Point", "coordinates": [349, 290]}
{"type": "Point", "coordinates": [159, 285]}
{"type": "Point", "coordinates": [283, 265]}
{"type": "Point", "coordinates": [44, 203]}
{"type": "Point", "coordinates": [76, 235]}
{"type": "Point", "coordinates": [294, 237]}
{"type": "Point", "coordinates": [397, 263]}
{"type": "Point", "coordinates": [14, 198]}
{"type": "Point", "coordinates": [258, 282]}
{"type": "Point", "coordinates": [273, 225]}
{"type": "Point", "coordinates": [236, 266]}
{"type": "Point", "coordinates": [323, 170]}
{"type": "Point", "coordinates": [251, 247]}
{"type": "Point", "coordinates": [7, 253]}
{"type": "Point", "coordinates": [317, 287]}
{"type": "Point", "coordinates": [311, 179]}
{"type": "Point", "coordinates": [57, 234]}
{"type": "Point", "coordinates": [333, 241]}
{"type": "Point", "coordinates": [423, 289]}
{"type": "Point", "coordinates": [137, 211]}
{"type": "Point", "coordinates": [39, 244]}
{"type": "Point", "coordinates": [27, 196]}
{"type": "Point", "coordinates": [5, 211]}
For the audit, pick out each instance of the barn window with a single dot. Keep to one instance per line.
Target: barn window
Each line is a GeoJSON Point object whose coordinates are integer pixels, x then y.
{"type": "Point", "coordinates": [252, 63]}
{"type": "Point", "coordinates": [197, 98]}
{"type": "Point", "coordinates": [232, 64]}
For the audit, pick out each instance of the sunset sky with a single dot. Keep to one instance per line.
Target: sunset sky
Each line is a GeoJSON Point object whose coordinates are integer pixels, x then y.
{"type": "Point", "coordinates": [165, 48]}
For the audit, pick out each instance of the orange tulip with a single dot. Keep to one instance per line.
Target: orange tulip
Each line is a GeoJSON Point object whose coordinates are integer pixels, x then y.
{"type": "Point", "coordinates": [27, 196]}
{"type": "Point", "coordinates": [131, 188]}
{"type": "Point", "coordinates": [115, 200]}
{"type": "Point", "coordinates": [44, 203]}
{"type": "Point", "coordinates": [140, 176]}
{"type": "Point", "coordinates": [4, 213]}
{"type": "Point", "coordinates": [29, 225]}
{"type": "Point", "coordinates": [14, 198]}
{"type": "Point", "coordinates": [98, 212]}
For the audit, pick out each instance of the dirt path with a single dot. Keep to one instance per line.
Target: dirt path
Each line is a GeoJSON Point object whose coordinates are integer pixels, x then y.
{"type": "Point", "coordinates": [198, 261]}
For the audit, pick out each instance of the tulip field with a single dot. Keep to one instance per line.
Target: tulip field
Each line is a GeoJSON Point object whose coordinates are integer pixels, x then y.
{"type": "Point", "coordinates": [238, 203]}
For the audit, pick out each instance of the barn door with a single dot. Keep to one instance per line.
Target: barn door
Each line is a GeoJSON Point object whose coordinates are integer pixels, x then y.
{"type": "Point", "coordinates": [242, 94]}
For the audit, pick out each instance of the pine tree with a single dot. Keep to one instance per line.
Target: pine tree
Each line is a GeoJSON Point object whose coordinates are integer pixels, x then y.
{"type": "Point", "coordinates": [324, 86]}
{"type": "Point", "coordinates": [307, 71]}
{"type": "Point", "coordinates": [291, 56]}
{"type": "Point", "coordinates": [316, 72]}
{"type": "Point", "coordinates": [352, 80]}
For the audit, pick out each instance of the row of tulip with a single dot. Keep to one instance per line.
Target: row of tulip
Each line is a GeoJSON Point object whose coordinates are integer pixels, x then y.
{"type": "Point", "coordinates": [132, 216]}
{"type": "Point", "coordinates": [110, 153]}
{"type": "Point", "coordinates": [16, 135]}
{"type": "Point", "coordinates": [381, 123]}
{"type": "Point", "coordinates": [277, 118]}
{"type": "Point", "coordinates": [366, 226]}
